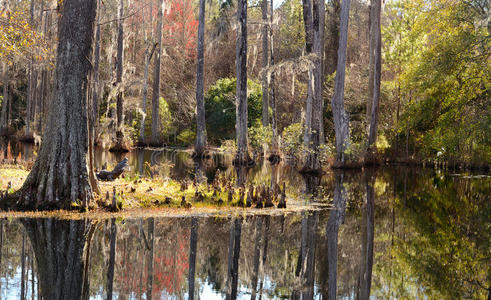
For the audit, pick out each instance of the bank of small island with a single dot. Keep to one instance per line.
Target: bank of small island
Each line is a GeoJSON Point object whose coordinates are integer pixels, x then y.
{"type": "Point", "coordinates": [131, 191]}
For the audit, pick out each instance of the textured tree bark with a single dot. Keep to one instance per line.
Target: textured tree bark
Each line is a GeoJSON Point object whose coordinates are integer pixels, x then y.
{"type": "Point", "coordinates": [314, 123]}
{"type": "Point", "coordinates": [30, 78]}
{"type": "Point", "coordinates": [371, 61]}
{"type": "Point", "coordinates": [331, 53]}
{"type": "Point", "coordinates": [3, 114]}
{"type": "Point", "coordinates": [336, 218]}
{"type": "Point", "coordinates": [193, 242]}
{"type": "Point", "coordinates": [272, 96]}
{"type": "Point", "coordinates": [319, 74]}
{"type": "Point", "coordinates": [265, 63]}
{"type": "Point", "coordinates": [148, 59]}
{"type": "Point", "coordinates": [119, 81]}
{"type": "Point", "coordinates": [59, 175]}
{"type": "Point", "coordinates": [242, 156]}
{"type": "Point", "coordinates": [58, 246]}
{"type": "Point", "coordinates": [112, 256]}
{"type": "Point", "coordinates": [309, 41]}
{"type": "Point", "coordinates": [372, 135]}
{"type": "Point", "coordinates": [95, 79]}
{"type": "Point", "coordinates": [341, 119]}
{"type": "Point", "coordinates": [94, 113]}
{"type": "Point", "coordinates": [200, 81]}
{"type": "Point", "coordinates": [156, 80]}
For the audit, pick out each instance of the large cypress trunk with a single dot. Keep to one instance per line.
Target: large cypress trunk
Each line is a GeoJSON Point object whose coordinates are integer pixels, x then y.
{"type": "Point", "coordinates": [156, 80]}
{"type": "Point", "coordinates": [59, 175]}
{"type": "Point", "coordinates": [341, 119]}
{"type": "Point", "coordinates": [200, 102]}
{"type": "Point", "coordinates": [241, 88]}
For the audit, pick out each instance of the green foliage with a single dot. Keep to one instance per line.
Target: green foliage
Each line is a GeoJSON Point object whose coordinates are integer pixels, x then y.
{"type": "Point", "coordinates": [443, 77]}
{"type": "Point", "coordinates": [292, 139]}
{"type": "Point", "coordinates": [186, 137]}
{"type": "Point", "coordinates": [259, 135]}
{"type": "Point", "coordinates": [448, 244]}
{"type": "Point", "coordinates": [220, 108]}
{"type": "Point", "coordinates": [165, 116]}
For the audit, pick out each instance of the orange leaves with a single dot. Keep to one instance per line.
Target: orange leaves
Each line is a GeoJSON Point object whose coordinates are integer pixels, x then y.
{"type": "Point", "coordinates": [181, 26]}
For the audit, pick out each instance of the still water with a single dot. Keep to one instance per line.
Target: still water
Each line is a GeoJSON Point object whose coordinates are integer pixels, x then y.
{"type": "Point", "coordinates": [395, 233]}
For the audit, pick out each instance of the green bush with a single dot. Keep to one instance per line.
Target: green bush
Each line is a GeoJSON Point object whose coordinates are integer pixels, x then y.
{"type": "Point", "coordinates": [186, 137]}
{"type": "Point", "coordinates": [220, 108]}
{"type": "Point", "coordinates": [165, 116]}
{"type": "Point", "coordinates": [259, 135]}
{"type": "Point", "coordinates": [292, 139]}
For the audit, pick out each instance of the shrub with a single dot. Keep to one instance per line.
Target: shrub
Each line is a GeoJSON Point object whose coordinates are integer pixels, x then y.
{"type": "Point", "coordinates": [220, 108]}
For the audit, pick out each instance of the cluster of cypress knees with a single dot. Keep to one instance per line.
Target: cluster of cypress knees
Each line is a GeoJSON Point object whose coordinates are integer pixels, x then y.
{"type": "Point", "coordinates": [258, 196]}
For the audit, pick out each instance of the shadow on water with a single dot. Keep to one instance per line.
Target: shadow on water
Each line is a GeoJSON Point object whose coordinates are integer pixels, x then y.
{"type": "Point", "coordinates": [393, 233]}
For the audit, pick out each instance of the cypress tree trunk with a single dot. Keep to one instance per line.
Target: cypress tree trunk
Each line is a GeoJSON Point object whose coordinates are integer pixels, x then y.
{"type": "Point", "coordinates": [242, 156]}
{"type": "Point", "coordinates": [265, 63]}
{"type": "Point", "coordinates": [95, 82]}
{"type": "Point", "coordinates": [3, 114]}
{"type": "Point", "coordinates": [309, 40]}
{"type": "Point", "coordinates": [371, 56]}
{"type": "Point", "coordinates": [94, 112]}
{"type": "Point", "coordinates": [156, 80]}
{"type": "Point", "coordinates": [59, 175]}
{"type": "Point", "coordinates": [315, 104]}
{"type": "Point", "coordinates": [200, 102]}
{"type": "Point", "coordinates": [272, 99]}
{"type": "Point", "coordinates": [341, 119]}
{"type": "Point", "coordinates": [319, 80]}
{"type": "Point", "coordinates": [148, 58]}
{"type": "Point", "coordinates": [119, 80]}
{"type": "Point", "coordinates": [372, 135]}
{"type": "Point", "coordinates": [331, 54]}
{"type": "Point", "coordinates": [30, 78]}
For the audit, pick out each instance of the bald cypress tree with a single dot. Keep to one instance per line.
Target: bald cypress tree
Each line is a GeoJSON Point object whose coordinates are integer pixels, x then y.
{"type": "Point", "coordinates": [60, 174]}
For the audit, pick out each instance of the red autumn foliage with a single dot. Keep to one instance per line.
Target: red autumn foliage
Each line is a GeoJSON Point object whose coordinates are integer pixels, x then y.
{"type": "Point", "coordinates": [180, 26]}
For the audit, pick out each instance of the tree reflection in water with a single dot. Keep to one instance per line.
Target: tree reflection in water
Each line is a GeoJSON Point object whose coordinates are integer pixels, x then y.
{"type": "Point", "coordinates": [59, 250]}
{"type": "Point", "coordinates": [384, 236]}
{"type": "Point", "coordinates": [336, 217]}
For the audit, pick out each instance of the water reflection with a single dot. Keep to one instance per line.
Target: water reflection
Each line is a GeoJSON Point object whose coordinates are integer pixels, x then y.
{"type": "Point", "coordinates": [389, 234]}
{"type": "Point", "coordinates": [58, 247]}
